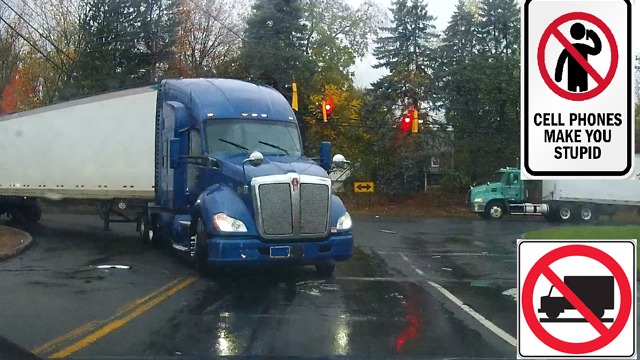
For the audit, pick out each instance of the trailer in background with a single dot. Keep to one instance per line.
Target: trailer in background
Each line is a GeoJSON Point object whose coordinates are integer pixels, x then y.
{"type": "Point", "coordinates": [556, 200]}
{"type": "Point", "coordinates": [98, 149]}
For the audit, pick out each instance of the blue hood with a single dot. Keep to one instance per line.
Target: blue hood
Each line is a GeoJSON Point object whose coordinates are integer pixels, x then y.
{"type": "Point", "coordinates": [272, 165]}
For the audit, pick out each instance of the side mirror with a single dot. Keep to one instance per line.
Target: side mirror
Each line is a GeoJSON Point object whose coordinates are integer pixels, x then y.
{"type": "Point", "coordinates": [174, 153]}
{"type": "Point", "coordinates": [255, 159]}
{"type": "Point", "coordinates": [325, 155]}
{"type": "Point", "coordinates": [339, 161]}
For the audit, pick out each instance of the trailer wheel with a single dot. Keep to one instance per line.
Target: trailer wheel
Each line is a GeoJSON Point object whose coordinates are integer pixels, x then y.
{"type": "Point", "coordinates": [494, 210]}
{"type": "Point", "coordinates": [145, 230]}
{"type": "Point", "coordinates": [32, 213]}
{"type": "Point", "coordinates": [565, 213]}
{"type": "Point", "coordinates": [17, 216]}
{"type": "Point", "coordinates": [586, 214]}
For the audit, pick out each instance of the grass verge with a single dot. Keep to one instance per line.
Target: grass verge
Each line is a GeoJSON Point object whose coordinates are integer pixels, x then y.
{"type": "Point", "coordinates": [589, 233]}
{"type": "Point", "coordinates": [9, 239]}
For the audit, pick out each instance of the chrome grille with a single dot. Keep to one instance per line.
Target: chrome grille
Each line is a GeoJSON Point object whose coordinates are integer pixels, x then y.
{"type": "Point", "coordinates": [314, 201]}
{"type": "Point", "coordinates": [276, 209]}
{"type": "Point", "coordinates": [292, 206]}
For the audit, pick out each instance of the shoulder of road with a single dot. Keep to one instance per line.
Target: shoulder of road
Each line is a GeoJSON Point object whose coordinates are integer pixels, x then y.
{"type": "Point", "coordinates": [13, 242]}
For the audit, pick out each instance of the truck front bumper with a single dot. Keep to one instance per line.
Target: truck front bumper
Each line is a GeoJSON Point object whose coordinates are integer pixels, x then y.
{"type": "Point", "coordinates": [476, 208]}
{"type": "Point", "coordinates": [338, 247]}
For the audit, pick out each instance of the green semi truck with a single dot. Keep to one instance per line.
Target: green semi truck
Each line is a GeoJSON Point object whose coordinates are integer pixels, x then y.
{"type": "Point", "coordinates": [556, 200]}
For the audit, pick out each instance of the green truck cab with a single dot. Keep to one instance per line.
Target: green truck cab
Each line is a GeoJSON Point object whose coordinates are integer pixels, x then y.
{"type": "Point", "coordinates": [506, 194]}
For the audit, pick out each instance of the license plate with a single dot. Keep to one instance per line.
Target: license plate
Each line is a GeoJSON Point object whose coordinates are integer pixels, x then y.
{"type": "Point", "coordinates": [280, 251]}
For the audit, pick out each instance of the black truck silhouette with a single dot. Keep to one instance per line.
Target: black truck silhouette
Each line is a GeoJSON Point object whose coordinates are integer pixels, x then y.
{"type": "Point", "coordinates": [596, 292]}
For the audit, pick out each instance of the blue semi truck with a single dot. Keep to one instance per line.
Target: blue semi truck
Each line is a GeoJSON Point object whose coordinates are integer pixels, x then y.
{"type": "Point", "coordinates": [223, 177]}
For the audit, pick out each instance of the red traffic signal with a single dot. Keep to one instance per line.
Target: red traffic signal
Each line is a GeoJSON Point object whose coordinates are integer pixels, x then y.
{"type": "Point", "coordinates": [328, 107]}
{"type": "Point", "coordinates": [405, 124]}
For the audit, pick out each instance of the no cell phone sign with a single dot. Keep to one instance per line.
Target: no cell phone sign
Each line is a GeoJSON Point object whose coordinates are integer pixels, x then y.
{"type": "Point", "coordinates": [577, 299]}
{"type": "Point", "coordinates": [577, 95]}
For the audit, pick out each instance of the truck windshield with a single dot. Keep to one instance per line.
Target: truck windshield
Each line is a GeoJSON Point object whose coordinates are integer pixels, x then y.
{"type": "Point", "coordinates": [497, 177]}
{"type": "Point", "coordinates": [229, 137]}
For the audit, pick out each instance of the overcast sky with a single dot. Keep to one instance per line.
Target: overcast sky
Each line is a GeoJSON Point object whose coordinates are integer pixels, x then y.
{"type": "Point", "coordinates": [442, 10]}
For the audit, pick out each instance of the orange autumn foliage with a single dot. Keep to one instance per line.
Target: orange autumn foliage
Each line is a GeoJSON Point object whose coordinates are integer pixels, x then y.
{"type": "Point", "coordinates": [17, 94]}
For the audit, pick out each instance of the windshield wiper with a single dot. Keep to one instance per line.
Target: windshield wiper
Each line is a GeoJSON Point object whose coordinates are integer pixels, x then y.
{"type": "Point", "coordinates": [234, 144]}
{"type": "Point", "coordinates": [274, 146]}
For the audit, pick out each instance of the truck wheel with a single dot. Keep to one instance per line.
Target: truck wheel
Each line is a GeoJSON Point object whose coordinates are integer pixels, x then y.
{"type": "Point", "coordinates": [17, 216]}
{"type": "Point", "coordinates": [565, 213]}
{"type": "Point", "coordinates": [494, 210]}
{"type": "Point", "coordinates": [200, 254]}
{"type": "Point", "coordinates": [325, 268]}
{"type": "Point", "coordinates": [32, 213]}
{"type": "Point", "coordinates": [552, 314]}
{"type": "Point", "coordinates": [586, 214]}
{"type": "Point", "coordinates": [145, 230]}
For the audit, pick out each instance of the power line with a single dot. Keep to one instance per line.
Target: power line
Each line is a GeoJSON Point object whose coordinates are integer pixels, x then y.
{"type": "Point", "coordinates": [216, 19]}
{"type": "Point", "coordinates": [31, 44]}
{"type": "Point", "coordinates": [36, 30]}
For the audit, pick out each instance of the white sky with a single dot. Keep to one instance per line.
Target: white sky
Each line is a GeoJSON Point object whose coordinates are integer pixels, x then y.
{"type": "Point", "coordinates": [442, 10]}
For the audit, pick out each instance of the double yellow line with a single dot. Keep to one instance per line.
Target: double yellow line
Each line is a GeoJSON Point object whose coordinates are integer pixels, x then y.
{"type": "Point", "coordinates": [123, 315]}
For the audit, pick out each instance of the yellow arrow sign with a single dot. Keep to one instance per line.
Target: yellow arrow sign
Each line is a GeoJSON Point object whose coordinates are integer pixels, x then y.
{"type": "Point", "coordinates": [363, 187]}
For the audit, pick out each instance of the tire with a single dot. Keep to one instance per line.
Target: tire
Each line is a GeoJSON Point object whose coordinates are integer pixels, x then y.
{"type": "Point", "coordinates": [587, 214]}
{"type": "Point", "coordinates": [200, 253]}
{"type": "Point", "coordinates": [494, 210]}
{"type": "Point", "coordinates": [145, 230]}
{"type": "Point", "coordinates": [17, 216]}
{"type": "Point", "coordinates": [325, 269]}
{"type": "Point", "coordinates": [32, 213]}
{"type": "Point", "coordinates": [564, 213]}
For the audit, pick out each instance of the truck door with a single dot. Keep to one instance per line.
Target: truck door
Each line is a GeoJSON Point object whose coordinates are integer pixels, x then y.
{"type": "Point", "coordinates": [166, 175]}
{"type": "Point", "coordinates": [194, 171]}
{"type": "Point", "coordinates": [513, 187]}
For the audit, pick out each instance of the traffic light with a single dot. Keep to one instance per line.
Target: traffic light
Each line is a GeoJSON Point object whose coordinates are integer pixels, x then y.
{"type": "Point", "coordinates": [405, 122]}
{"type": "Point", "coordinates": [327, 109]}
{"type": "Point", "coordinates": [294, 96]}
{"type": "Point", "coordinates": [414, 121]}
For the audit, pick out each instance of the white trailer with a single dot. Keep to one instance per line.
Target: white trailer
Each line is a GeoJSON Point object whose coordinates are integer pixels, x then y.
{"type": "Point", "coordinates": [586, 199]}
{"type": "Point", "coordinates": [99, 148]}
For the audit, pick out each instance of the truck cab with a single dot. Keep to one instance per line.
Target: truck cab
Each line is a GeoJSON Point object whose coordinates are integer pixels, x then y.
{"type": "Point", "coordinates": [506, 194]}
{"type": "Point", "coordinates": [233, 184]}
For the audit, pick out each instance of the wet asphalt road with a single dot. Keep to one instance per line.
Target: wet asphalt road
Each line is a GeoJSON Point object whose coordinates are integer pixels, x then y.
{"type": "Point", "coordinates": [395, 297]}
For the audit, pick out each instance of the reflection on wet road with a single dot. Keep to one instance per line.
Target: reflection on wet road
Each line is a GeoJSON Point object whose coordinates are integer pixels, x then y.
{"type": "Point", "coordinates": [400, 295]}
{"type": "Point", "coordinates": [292, 312]}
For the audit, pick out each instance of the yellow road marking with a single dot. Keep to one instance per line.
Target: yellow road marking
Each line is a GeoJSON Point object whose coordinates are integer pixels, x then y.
{"type": "Point", "coordinates": [70, 335]}
{"type": "Point", "coordinates": [89, 339]}
{"type": "Point", "coordinates": [79, 331]}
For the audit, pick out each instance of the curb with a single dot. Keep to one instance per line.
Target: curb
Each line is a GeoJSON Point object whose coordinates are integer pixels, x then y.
{"type": "Point", "coordinates": [26, 243]}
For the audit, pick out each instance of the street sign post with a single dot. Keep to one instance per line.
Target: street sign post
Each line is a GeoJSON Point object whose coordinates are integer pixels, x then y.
{"type": "Point", "coordinates": [576, 299]}
{"type": "Point", "coordinates": [577, 89]}
{"type": "Point", "coordinates": [363, 187]}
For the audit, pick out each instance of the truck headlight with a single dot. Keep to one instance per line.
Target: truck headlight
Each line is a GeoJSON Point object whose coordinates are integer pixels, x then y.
{"type": "Point", "coordinates": [226, 223]}
{"type": "Point", "coordinates": [477, 200]}
{"type": "Point", "coordinates": [344, 223]}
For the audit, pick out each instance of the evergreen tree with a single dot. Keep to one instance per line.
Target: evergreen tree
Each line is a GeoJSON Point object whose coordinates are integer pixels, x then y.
{"type": "Point", "coordinates": [272, 52]}
{"type": "Point", "coordinates": [408, 52]}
